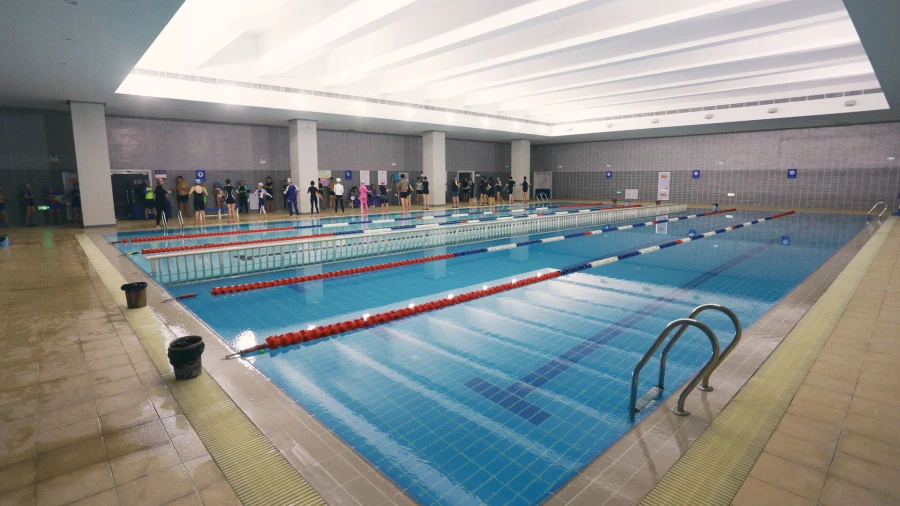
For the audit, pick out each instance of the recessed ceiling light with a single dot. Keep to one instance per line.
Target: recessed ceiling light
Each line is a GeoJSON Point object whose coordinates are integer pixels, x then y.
{"type": "Point", "coordinates": [892, 158]}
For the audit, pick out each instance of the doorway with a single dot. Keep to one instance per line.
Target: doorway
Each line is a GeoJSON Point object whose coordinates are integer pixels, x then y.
{"type": "Point", "coordinates": [128, 193]}
{"type": "Point", "coordinates": [464, 196]}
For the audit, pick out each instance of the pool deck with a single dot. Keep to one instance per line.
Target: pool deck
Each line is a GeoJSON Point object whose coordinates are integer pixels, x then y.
{"type": "Point", "coordinates": [89, 411]}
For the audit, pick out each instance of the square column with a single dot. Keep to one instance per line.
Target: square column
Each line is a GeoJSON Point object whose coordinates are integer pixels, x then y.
{"type": "Point", "coordinates": [434, 166]}
{"type": "Point", "coordinates": [521, 164]}
{"type": "Point", "coordinates": [304, 157]}
{"type": "Point", "coordinates": [92, 161]}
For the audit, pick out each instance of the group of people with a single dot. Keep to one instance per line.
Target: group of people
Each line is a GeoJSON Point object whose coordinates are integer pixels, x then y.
{"type": "Point", "coordinates": [489, 191]}
{"type": "Point", "coordinates": [54, 200]}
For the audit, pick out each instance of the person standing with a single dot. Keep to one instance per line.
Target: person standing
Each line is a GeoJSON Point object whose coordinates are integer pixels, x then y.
{"type": "Point", "coordinates": [263, 197]}
{"type": "Point", "coordinates": [290, 193]}
{"type": "Point", "coordinates": [338, 195]}
{"type": "Point", "coordinates": [182, 196]}
{"type": "Point", "coordinates": [220, 195]}
{"type": "Point", "coordinates": [198, 192]}
{"type": "Point", "coordinates": [418, 189]}
{"type": "Point", "coordinates": [3, 207]}
{"type": "Point", "coordinates": [53, 204]}
{"type": "Point", "coordinates": [30, 207]}
{"type": "Point", "coordinates": [363, 198]}
{"type": "Point", "coordinates": [471, 186]}
{"type": "Point", "coordinates": [511, 189]}
{"type": "Point", "coordinates": [314, 195]}
{"type": "Point", "coordinates": [230, 201]}
{"type": "Point", "coordinates": [425, 191]}
{"type": "Point", "coordinates": [76, 203]}
{"type": "Point", "coordinates": [284, 197]}
{"type": "Point", "coordinates": [498, 190]}
{"type": "Point", "coordinates": [454, 192]}
{"type": "Point", "coordinates": [159, 200]}
{"type": "Point", "coordinates": [384, 196]}
{"type": "Point", "coordinates": [524, 189]}
{"type": "Point", "coordinates": [330, 192]}
{"type": "Point", "coordinates": [403, 190]}
{"type": "Point", "coordinates": [148, 199]}
{"type": "Point", "coordinates": [243, 197]}
{"type": "Point", "coordinates": [270, 191]}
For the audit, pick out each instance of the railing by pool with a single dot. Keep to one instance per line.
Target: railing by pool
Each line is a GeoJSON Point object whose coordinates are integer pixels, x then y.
{"type": "Point", "coordinates": [246, 259]}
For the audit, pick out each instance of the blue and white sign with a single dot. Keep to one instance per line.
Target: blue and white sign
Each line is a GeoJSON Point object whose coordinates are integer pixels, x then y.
{"type": "Point", "coordinates": [785, 240]}
{"type": "Point", "coordinates": [695, 174]}
{"type": "Point", "coordinates": [609, 174]}
{"type": "Point", "coordinates": [692, 233]}
{"type": "Point", "coordinates": [200, 174]}
{"type": "Point", "coordinates": [160, 174]}
{"type": "Point", "coordinates": [792, 173]}
{"type": "Point", "coordinates": [606, 227]}
{"type": "Point", "coordinates": [348, 175]}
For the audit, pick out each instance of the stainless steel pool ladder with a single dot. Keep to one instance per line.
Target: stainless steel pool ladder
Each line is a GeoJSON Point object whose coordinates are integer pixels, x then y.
{"type": "Point", "coordinates": [180, 221]}
{"type": "Point", "coordinates": [542, 197]}
{"type": "Point", "coordinates": [876, 207]}
{"type": "Point", "coordinates": [164, 221]}
{"type": "Point", "coordinates": [702, 377]}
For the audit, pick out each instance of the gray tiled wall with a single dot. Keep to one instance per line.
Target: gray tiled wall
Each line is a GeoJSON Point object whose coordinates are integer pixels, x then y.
{"type": "Point", "coordinates": [35, 147]}
{"type": "Point", "coordinates": [838, 167]}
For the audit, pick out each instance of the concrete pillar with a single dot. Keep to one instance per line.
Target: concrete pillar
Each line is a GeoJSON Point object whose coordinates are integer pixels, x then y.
{"type": "Point", "coordinates": [304, 158]}
{"type": "Point", "coordinates": [521, 164]}
{"type": "Point", "coordinates": [92, 159]}
{"type": "Point", "coordinates": [434, 166]}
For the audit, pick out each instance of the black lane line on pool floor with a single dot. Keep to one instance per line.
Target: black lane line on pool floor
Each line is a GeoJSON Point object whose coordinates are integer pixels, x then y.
{"type": "Point", "coordinates": [512, 398]}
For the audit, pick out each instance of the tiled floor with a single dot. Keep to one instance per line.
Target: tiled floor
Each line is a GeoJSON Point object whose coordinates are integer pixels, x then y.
{"type": "Point", "coordinates": [839, 442]}
{"type": "Point", "coordinates": [84, 416]}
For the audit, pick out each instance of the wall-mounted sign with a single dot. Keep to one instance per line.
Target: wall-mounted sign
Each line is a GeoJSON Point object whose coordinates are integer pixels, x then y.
{"type": "Point", "coordinates": [663, 187]}
{"type": "Point", "coordinates": [792, 174]}
{"type": "Point", "coordinates": [609, 174]}
{"type": "Point", "coordinates": [348, 175]}
{"type": "Point", "coordinates": [200, 174]}
{"type": "Point", "coordinates": [159, 174]}
{"type": "Point", "coordinates": [631, 194]}
{"type": "Point", "coordinates": [695, 174]}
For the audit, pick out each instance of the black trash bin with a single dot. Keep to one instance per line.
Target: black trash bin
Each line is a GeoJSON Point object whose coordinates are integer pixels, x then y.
{"type": "Point", "coordinates": [184, 355]}
{"type": "Point", "coordinates": [135, 294]}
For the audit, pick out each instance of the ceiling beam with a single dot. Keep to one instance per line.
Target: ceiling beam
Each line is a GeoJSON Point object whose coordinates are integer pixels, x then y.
{"type": "Point", "coordinates": [876, 23]}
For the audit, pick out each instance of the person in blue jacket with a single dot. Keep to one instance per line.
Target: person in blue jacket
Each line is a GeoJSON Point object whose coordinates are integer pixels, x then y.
{"type": "Point", "coordinates": [291, 191]}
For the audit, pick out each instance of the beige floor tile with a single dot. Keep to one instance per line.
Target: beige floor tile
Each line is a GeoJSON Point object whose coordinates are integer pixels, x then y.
{"type": "Point", "coordinates": [203, 471]}
{"type": "Point", "coordinates": [178, 426]}
{"type": "Point", "coordinates": [809, 393]}
{"type": "Point", "coordinates": [592, 494]}
{"type": "Point", "coordinates": [16, 476]}
{"type": "Point", "coordinates": [364, 492]}
{"type": "Point", "coordinates": [104, 353]}
{"type": "Point", "coordinates": [872, 428]}
{"type": "Point", "coordinates": [64, 399]}
{"type": "Point", "coordinates": [116, 387]}
{"type": "Point", "coordinates": [870, 475]}
{"type": "Point", "coordinates": [132, 466]}
{"type": "Point", "coordinates": [105, 498]}
{"type": "Point", "coordinates": [102, 364]}
{"type": "Point", "coordinates": [790, 476]}
{"type": "Point", "coordinates": [829, 383]}
{"type": "Point", "coordinates": [189, 447]}
{"type": "Point", "coordinates": [70, 458]}
{"type": "Point", "coordinates": [135, 438]}
{"type": "Point", "coordinates": [66, 435]}
{"type": "Point", "coordinates": [65, 384]}
{"type": "Point", "coordinates": [219, 494]}
{"type": "Point", "coordinates": [838, 492]}
{"type": "Point", "coordinates": [872, 393]}
{"type": "Point", "coordinates": [18, 381]}
{"type": "Point", "coordinates": [121, 401]}
{"type": "Point", "coordinates": [873, 450]}
{"type": "Point", "coordinates": [75, 486]}
{"type": "Point", "coordinates": [809, 430]}
{"type": "Point", "coordinates": [188, 500]}
{"type": "Point", "coordinates": [759, 493]}
{"type": "Point", "coordinates": [20, 497]}
{"type": "Point", "coordinates": [18, 410]}
{"type": "Point", "coordinates": [113, 373]}
{"type": "Point", "coordinates": [128, 418]}
{"type": "Point", "coordinates": [100, 344]}
{"type": "Point", "coordinates": [819, 412]}
{"type": "Point", "coordinates": [812, 455]}
{"type": "Point", "coordinates": [158, 488]}
{"type": "Point", "coordinates": [66, 416]}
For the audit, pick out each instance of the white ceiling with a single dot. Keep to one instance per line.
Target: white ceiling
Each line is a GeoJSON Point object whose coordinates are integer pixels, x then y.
{"type": "Point", "coordinates": [548, 70]}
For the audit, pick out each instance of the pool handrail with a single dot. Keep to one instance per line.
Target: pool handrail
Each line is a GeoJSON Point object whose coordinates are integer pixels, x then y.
{"type": "Point", "coordinates": [875, 207]}
{"type": "Point", "coordinates": [681, 323]}
{"type": "Point", "coordinates": [738, 332]}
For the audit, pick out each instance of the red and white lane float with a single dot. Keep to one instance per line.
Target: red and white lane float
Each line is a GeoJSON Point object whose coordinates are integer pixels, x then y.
{"type": "Point", "coordinates": [312, 334]}
{"type": "Point", "coordinates": [246, 287]}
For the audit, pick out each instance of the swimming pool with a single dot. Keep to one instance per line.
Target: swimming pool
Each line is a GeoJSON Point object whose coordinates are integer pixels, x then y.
{"type": "Point", "coordinates": [428, 399]}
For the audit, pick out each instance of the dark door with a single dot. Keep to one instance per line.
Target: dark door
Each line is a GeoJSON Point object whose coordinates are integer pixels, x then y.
{"type": "Point", "coordinates": [124, 196]}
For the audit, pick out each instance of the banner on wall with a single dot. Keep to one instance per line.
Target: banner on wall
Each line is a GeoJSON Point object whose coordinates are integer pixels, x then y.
{"type": "Point", "coordinates": [382, 177]}
{"type": "Point", "coordinates": [364, 177]}
{"type": "Point", "coordinates": [324, 177]}
{"type": "Point", "coordinates": [631, 194]}
{"type": "Point", "coordinates": [663, 188]}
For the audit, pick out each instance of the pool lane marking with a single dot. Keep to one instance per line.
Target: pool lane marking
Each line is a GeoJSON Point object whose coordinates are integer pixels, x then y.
{"type": "Point", "coordinates": [291, 338]}
{"type": "Point", "coordinates": [195, 247]}
{"type": "Point", "coordinates": [224, 290]}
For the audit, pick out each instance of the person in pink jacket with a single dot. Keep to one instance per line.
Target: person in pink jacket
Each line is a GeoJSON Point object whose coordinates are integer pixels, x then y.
{"type": "Point", "coordinates": [363, 198]}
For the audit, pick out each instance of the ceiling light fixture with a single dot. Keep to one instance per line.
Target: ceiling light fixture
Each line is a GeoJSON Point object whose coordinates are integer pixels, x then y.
{"type": "Point", "coordinates": [850, 103]}
{"type": "Point", "coordinates": [654, 120]}
{"type": "Point", "coordinates": [892, 158]}
{"type": "Point", "coordinates": [773, 110]}
{"type": "Point", "coordinates": [708, 116]}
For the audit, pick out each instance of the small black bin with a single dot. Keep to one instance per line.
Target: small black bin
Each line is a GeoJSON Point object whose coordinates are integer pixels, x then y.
{"type": "Point", "coordinates": [135, 294]}
{"type": "Point", "coordinates": [184, 355]}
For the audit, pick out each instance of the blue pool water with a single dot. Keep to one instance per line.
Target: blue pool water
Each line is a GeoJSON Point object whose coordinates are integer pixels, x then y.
{"type": "Point", "coordinates": [503, 399]}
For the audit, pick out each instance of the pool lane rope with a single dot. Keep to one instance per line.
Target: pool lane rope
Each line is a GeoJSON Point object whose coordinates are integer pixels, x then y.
{"type": "Point", "coordinates": [157, 238]}
{"type": "Point", "coordinates": [195, 247]}
{"type": "Point", "coordinates": [313, 333]}
{"type": "Point", "coordinates": [246, 287]}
